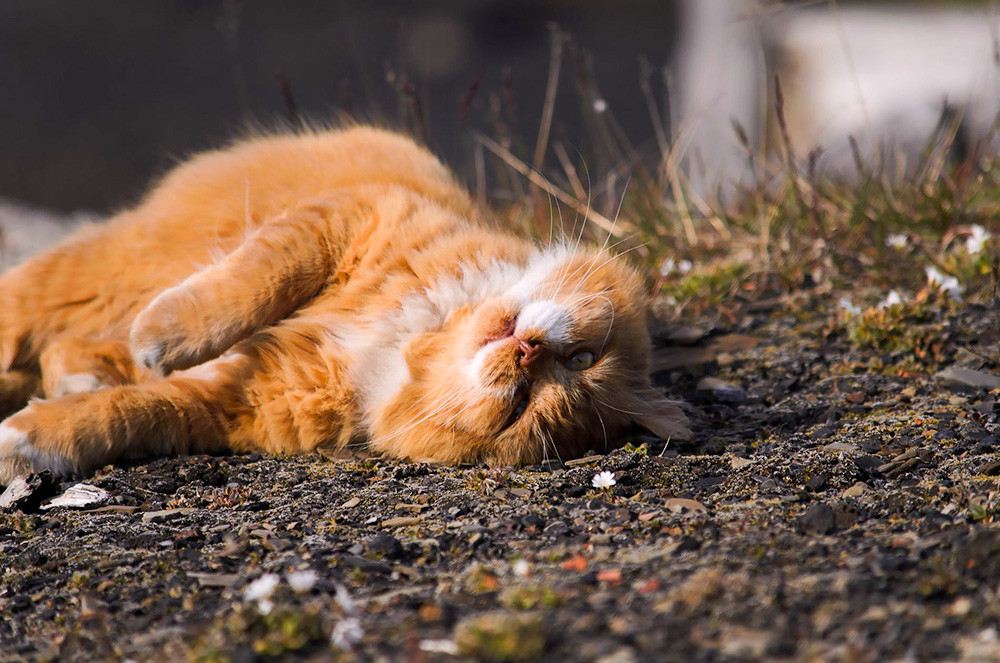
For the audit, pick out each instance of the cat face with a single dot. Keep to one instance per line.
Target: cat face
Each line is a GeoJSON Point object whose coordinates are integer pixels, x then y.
{"type": "Point", "coordinates": [548, 369]}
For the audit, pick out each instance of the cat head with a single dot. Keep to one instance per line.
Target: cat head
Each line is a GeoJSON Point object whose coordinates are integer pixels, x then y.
{"type": "Point", "coordinates": [550, 367]}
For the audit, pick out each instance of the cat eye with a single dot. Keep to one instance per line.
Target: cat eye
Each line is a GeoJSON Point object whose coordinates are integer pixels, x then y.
{"type": "Point", "coordinates": [582, 360]}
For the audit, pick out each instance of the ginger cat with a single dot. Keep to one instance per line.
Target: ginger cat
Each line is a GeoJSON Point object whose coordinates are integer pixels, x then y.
{"type": "Point", "coordinates": [318, 289]}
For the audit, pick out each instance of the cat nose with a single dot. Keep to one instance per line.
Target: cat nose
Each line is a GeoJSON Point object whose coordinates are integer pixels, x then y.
{"type": "Point", "coordinates": [528, 351]}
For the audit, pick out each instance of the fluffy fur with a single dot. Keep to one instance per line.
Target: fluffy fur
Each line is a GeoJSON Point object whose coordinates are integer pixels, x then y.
{"type": "Point", "coordinates": [318, 289]}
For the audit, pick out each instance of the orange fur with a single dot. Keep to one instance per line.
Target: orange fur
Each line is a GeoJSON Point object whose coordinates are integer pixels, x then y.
{"type": "Point", "coordinates": [318, 289]}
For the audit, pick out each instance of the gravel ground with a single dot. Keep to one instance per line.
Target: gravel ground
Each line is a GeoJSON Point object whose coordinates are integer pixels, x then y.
{"type": "Point", "coordinates": [836, 505]}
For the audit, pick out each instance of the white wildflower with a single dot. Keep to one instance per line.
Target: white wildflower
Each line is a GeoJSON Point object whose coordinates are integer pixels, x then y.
{"type": "Point", "coordinates": [600, 105]}
{"type": "Point", "coordinates": [846, 304]}
{"type": "Point", "coordinates": [976, 240]}
{"type": "Point", "coordinates": [264, 606]}
{"type": "Point", "coordinates": [948, 284]}
{"type": "Point", "coordinates": [667, 267]}
{"type": "Point", "coordinates": [604, 480]}
{"type": "Point", "coordinates": [521, 568]}
{"type": "Point", "coordinates": [302, 582]}
{"type": "Point", "coordinates": [346, 633]}
{"type": "Point", "coordinates": [262, 588]}
{"type": "Point", "coordinates": [891, 299]}
{"type": "Point", "coordinates": [897, 240]}
{"type": "Point", "coordinates": [439, 647]}
{"type": "Point", "coordinates": [345, 601]}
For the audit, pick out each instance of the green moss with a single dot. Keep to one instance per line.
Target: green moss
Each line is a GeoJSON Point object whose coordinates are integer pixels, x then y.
{"type": "Point", "coordinates": [529, 597]}
{"type": "Point", "coordinates": [500, 636]}
{"type": "Point", "coordinates": [282, 632]}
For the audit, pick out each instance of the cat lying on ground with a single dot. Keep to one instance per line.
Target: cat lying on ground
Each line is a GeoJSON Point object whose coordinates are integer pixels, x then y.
{"type": "Point", "coordinates": [326, 288]}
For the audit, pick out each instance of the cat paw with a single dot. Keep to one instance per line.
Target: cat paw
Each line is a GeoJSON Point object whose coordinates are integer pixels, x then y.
{"type": "Point", "coordinates": [78, 383]}
{"type": "Point", "coordinates": [19, 455]}
{"type": "Point", "coordinates": [157, 340]}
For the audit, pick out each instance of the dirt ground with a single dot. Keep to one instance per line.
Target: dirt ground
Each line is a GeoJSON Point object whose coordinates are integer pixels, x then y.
{"type": "Point", "coordinates": [837, 504]}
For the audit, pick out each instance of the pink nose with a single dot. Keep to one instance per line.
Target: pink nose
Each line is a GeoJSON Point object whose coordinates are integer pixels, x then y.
{"type": "Point", "coordinates": [527, 351]}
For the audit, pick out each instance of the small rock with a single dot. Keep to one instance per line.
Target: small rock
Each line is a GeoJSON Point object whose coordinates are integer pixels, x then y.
{"type": "Point", "coordinates": [386, 545]}
{"type": "Point", "coordinates": [610, 576]}
{"type": "Point", "coordinates": [402, 521]}
{"type": "Point", "coordinates": [685, 335]}
{"type": "Point", "coordinates": [351, 503]}
{"type": "Point", "coordinates": [164, 515]}
{"type": "Point", "coordinates": [838, 447]}
{"type": "Point", "coordinates": [722, 391]}
{"type": "Point", "coordinates": [25, 493]}
{"type": "Point", "coordinates": [990, 469]}
{"type": "Point", "coordinates": [680, 504]}
{"type": "Point", "coordinates": [725, 359]}
{"type": "Point", "coordinates": [79, 496]}
{"type": "Point", "coordinates": [817, 482]}
{"type": "Point", "coordinates": [969, 378]}
{"type": "Point", "coordinates": [623, 655]}
{"type": "Point", "coordinates": [215, 579]}
{"type": "Point", "coordinates": [857, 490]}
{"type": "Point", "coordinates": [738, 463]}
{"type": "Point", "coordinates": [818, 519]}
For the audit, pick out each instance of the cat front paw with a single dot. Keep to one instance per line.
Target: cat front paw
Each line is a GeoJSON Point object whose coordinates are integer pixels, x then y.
{"type": "Point", "coordinates": [159, 340]}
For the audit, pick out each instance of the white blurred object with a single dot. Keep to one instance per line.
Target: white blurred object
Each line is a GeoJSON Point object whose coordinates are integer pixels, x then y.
{"type": "Point", "coordinates": [887, 77]}
{"type": "Point", "coordinates": [24, 230]}
{"type": "Point", "coordinates": [891, 78]}
{"type": "Point", "coordinates": [720, 78]}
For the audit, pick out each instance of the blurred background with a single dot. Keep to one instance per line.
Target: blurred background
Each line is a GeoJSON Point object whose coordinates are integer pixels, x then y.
{"type": "Point", "coordinates": [97, 98]}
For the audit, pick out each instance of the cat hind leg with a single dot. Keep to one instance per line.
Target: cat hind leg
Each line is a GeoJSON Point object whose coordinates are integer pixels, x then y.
{"type": "Point", "coordinates": [80, 433]}
{"type": "Point", "coordinates": [17, 387]}
{"type": "Point", "coordinates": [75, 366]}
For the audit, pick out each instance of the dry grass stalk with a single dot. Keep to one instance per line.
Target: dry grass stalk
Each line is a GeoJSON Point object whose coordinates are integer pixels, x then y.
{"type": "Point", "coordinates": [617, 228]}
{"type": "Point", "coordinates": [551, 87]}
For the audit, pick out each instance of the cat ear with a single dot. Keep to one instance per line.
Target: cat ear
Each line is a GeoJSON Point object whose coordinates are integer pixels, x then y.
{"type": "Point", "coordinates": [662, 417]}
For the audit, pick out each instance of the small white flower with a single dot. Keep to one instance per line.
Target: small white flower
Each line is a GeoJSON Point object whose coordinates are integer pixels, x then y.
{"type": "Point", "coordinates": [846, 304]}
{"type": "Point", "coordinates": [667, 267]}
{"type": "Point", "coordinates": [521, 568]}
{"type": "Point", "coordinates": [897, 240]}
{"type": "Point", "coordinates": [261, 588]}
{"type": "Point", "coordinates": [345, 601]}
{"type": "Point", "coordinates": [600, 105]}
{"type": "Point", "coordinates": [976, 240]}
{"type": "Point", "coordinates": [439, 647]}
{"type": "Point", "coordinates": [347, 633]}
{"type": "Point", "coordinates": [302, 582]}
{"type": "Point", "coordinates": [264, 606]}
{"type": "Point", "coordinates": [603, 480]}
{"type": "Point", "coordinates": [948, 284]}
{"type": "Point", "coordinates": [891, 299]}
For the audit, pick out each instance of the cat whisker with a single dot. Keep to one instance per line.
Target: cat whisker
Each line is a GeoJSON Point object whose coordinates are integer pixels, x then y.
{"type": "Point", "coordinates": [611, 323]}
{"type": "Point", "coordinates": [618, 409]}
{"type": "Point", "coordinates": [438, 407]}
{"type": "Point", "coordinates": [594, 268]}
{"type": "Point", "coordinates": [603, 428]}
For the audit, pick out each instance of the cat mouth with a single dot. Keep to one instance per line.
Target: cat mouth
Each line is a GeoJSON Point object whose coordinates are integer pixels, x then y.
{"type": "Point", "coordinates": [505, 330]}
{"type": "Point", "coordinates": [520, 407]}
